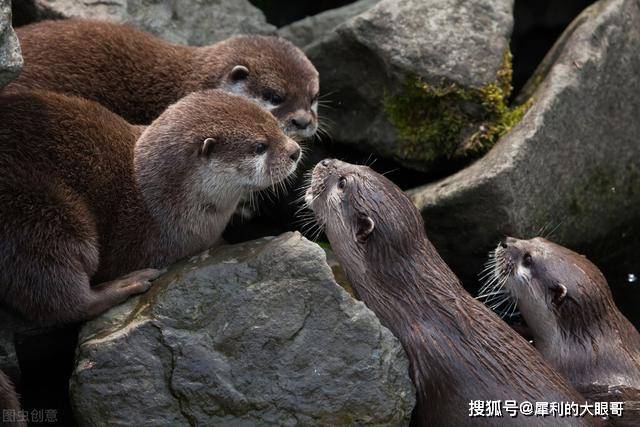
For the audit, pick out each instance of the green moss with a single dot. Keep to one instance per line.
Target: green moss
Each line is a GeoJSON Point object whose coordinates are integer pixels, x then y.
{"type": "Point", "coordinates": [324, 245]}
{"type": "Point", "coordinates": [448, 120]}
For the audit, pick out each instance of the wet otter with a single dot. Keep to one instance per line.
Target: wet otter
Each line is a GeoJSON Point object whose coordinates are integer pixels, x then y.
{"type": "Point", "coordinates": [85, 197]}
{"type": "Point", "coordinates": [459, 350]}
{"type": "Point", "coordinates": [137, 75]}
{"type": "Point", "coordinates": [9, 406]}
{"type": "Point", "coordinates": [568, 307]}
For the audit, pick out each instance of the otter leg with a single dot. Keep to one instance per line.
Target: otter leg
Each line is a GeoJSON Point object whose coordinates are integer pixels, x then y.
{"type": "Point", "coordinates": [9, 405]}
{"type": "Point", "coordinates": [50, 249]}
{"type": "Point", "coordinates": [109, 294]}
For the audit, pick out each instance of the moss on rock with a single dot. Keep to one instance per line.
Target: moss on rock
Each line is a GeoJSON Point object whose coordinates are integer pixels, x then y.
{"type": "Point", "coordinates": [445, 121]}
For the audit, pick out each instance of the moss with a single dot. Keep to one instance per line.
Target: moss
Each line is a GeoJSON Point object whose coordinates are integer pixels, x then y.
{"type": "Point", "coordinates": [324, 245]}
{"type": "Point", "coordinates": [435, 121]}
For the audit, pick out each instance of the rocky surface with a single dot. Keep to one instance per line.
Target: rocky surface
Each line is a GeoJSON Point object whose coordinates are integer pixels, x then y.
{"type": "Point", "coordinates": [571, 167]}
{"type": "Point", "coordinates": [10, 56]}
{"type": "Point", "coordinates": [419, 80]}
{"type": "Point", "coordinates": [187, 22]}
{"type": "Point", "coordinates": [314, 28]}
{"type": "Point", "coordinates": [252, 334]}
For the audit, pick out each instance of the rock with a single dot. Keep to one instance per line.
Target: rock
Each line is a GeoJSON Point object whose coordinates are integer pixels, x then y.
{"type": "Point", "coordinates": [252, 334]}
{"type": "Point", "coordinates": [313, 28]}
{"type": "Point", "coordinates": [10, 56]}
{"type": "Point", "coordinates": [571, 167]}
{"type": "Point", "coordinates": [187, 22]}
{"type": "Point", "coordinates": [419, 81]}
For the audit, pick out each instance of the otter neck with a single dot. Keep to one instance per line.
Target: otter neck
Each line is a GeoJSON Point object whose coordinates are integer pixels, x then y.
{"type": "Point", "coordinates": [187, 219]}
{"type": "Point", "coordinates": [164, 82]}
{"type": "Point", "coordinates": [416, 296]}
{"type": "Point", "coordinates": [204, 67]}
{"type": "Point", "coordinates": [591, 349]}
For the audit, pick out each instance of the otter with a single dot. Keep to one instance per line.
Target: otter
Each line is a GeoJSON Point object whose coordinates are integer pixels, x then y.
{"type": "Point", "coordinates": [567, 304]}
{"type": "Point", "coordinates": [87, 198]}
{"type": "Point", "coordinates": [459, 350]}
{"type": "Point", "coordinates": [9, 405]}
{"type": "Point", "coordinates": [137, 75]}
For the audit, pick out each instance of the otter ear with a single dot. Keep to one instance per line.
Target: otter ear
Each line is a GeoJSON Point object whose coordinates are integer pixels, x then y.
{"type": "Point", "coordinates": [239, 72]}
{"type": "Point", "coordinates": [206, 147]}
{"type": "Point", "coordinates": [559, 293]}
{"type": "Point", "coordinates": [365, 228]}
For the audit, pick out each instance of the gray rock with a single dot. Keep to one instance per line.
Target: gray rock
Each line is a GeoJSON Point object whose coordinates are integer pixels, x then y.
{"type": "Point", "coordinates": [418, 80]}
{"type": "Point", "coordinates": [10, 55]}
{"type": "Point", "coordinates": [187, 22]}
{"type": "Point", "coordinates": [251, 334]}
{"type": "Point", "coordinates": [313, 28]}
{"type": "Point", "coordinates": [570, 167]}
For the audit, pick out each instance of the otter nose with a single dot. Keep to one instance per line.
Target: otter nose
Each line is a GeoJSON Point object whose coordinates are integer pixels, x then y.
{"type": "Point", "coordinates": [325, 162]}
{"type": "Point", "coordinates": [503, 244]}
{"type": "Point", "coordinates": [301, 122]}
{"type": "Point", "coordinates": [295, 155]}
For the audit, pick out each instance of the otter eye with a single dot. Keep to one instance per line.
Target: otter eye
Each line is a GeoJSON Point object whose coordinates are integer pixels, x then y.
{"type": "Point", "coordinates": [526, 260]}
{"type": "Point", "coordinates": [342, 182]}
{"type": "Point", "coordinates": [273, 98]}
{"type": "Point", "coordinates": [261, 147]}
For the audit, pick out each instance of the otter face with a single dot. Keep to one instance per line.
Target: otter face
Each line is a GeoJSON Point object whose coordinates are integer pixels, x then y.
{"type": "Point", "coordinates": [278, 76]}
{"type": "Point", "coordinates": [544, 279]}
{"type": "Point", "coordinates": [213, 148]}
{"type": "Point", "coordinates": [252, 158]}
{"type": "Point", "coordinates": [360, 209]}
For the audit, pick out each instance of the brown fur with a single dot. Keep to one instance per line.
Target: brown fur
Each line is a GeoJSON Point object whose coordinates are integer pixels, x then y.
{"type": "Point", "coordinates": [8, 402]}
{"type": "Point", "coordinates": [86, 197]}
{"type": "Point", "coordinates": [459, 350]}
{"type": "Point", "coordinates": [137, 75]}
{"type": "Point", "coordinates": [582, 333]}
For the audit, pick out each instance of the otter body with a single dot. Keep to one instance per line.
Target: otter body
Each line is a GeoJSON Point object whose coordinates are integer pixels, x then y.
{"type": "Point", "coordinates": [568, 306]}
{"type": "Point", "coordinates": [86, 197]}
{"type": "Point", "coordinates": [137, 75]}
{"type": "Point", "coordinates": [459, 350]}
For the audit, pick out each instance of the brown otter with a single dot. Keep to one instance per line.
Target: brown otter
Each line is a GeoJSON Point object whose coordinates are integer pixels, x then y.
{"type": "Point", "coordinates": [9, 406]}
{"type": "Point", "coordinates": [459, 350]}
{"type": "Point", "coordinates": [85, 197]}
{"type": "Point", "coordinates": [569, 309]}
{"type": "Point", "coordinates": [137, 75]}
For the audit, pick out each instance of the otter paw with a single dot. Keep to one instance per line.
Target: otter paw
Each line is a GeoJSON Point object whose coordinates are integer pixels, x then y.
{"type": "Point", "coordinates": [139, 281]}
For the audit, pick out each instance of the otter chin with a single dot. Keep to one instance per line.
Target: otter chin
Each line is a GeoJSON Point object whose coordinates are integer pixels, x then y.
{"type": "Point", "coordinates": [568, 306]}
{"type": "Point", "coordinates": [459, 350]}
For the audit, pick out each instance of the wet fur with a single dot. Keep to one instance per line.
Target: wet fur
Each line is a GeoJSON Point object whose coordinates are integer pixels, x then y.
{"type": "Point", "coordinates": [585, 337]}
{"type": "Point", "coordinates": [459, 350]}
{"type": "Point", "coordinates": [137, 75]}
{"type": "Point", "coordinates": [85, 197]}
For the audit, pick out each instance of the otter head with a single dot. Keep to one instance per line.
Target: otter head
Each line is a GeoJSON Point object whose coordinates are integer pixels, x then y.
{"type": "Point", "coordinates": [209, 149]}
{"type": "Point", "coordinates": [272, 72]}
{"type": "Point", "coordinates": [554, 287]}
{"type": "Point", "coordinates": [366, 217]}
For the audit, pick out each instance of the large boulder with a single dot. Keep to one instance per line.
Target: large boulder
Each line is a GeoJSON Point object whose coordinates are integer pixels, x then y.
{"type": "Point", "coordinates": [186, 22]}
{"type": "Point", "coordinates": [419, 81]}
{"type": "Point", "coordinates": [10, 56]}
{"type": "Point", "coordinates": [571, 167]}
{"type": "Point", "coordinates": [250, 334]}
{"type": "Point", "coordinates": [315, 27]}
